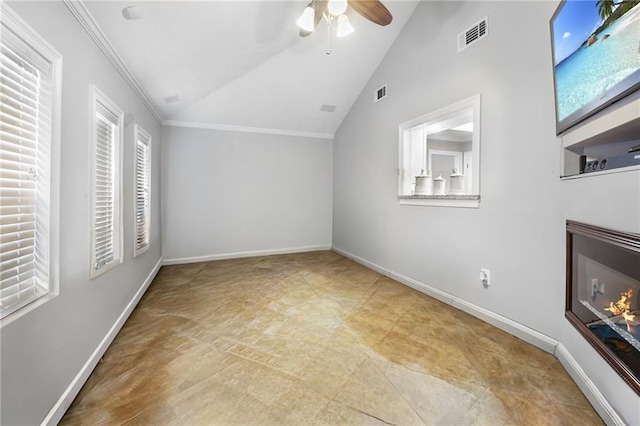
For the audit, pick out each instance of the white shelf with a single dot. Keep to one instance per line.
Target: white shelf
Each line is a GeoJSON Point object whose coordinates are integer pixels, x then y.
{"type": "Point", "coordinates": [607, 134]}
{"type": "Point", "coordinates": [465, 201]}
{"type": "Point", "coordinates": [604, 172]}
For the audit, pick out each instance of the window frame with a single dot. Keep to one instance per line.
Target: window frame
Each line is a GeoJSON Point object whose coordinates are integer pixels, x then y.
{"type": "Point", "coordinates": [98, 97]}
{"type": "Point", "coordinates": [450, 200]}
{"type": "Point", "coordinates": [141, 135]}
{"type": "Point", "coordinates": [39, 45]}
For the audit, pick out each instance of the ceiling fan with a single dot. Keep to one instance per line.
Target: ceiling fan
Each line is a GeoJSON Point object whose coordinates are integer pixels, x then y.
{"type": "Point", "coordinates": [373, 10]}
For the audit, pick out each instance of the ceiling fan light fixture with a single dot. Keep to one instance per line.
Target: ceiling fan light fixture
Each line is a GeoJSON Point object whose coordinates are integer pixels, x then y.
{"type": "Point", "coordinates": [337, 7]}
{"type": "Point", "coordinates": [306, 20]}
{"type": "Point", "coordinates": [344, 26]}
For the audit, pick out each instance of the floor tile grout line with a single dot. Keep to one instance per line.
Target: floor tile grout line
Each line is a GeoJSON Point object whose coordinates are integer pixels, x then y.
{"type": "Point", "coordinates": [399, 320]}
{"type": "Point", "coordinates": [402, 395]}
{"type": "Point", "coordinates": [330, 311]}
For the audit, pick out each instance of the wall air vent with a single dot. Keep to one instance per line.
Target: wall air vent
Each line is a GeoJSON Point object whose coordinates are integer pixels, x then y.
{"type": "Point", "coordinates": [474, 33]}
{"type": "Point", "coordinates": [380, 94]}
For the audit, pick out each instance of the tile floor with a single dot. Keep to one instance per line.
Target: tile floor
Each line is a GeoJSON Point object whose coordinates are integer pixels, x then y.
{"type": "Point", "coordinates": [315, 338]}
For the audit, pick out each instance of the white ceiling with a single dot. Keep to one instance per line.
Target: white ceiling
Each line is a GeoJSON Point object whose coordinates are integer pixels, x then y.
{"type": "Point", "coordinates": [242, 63]}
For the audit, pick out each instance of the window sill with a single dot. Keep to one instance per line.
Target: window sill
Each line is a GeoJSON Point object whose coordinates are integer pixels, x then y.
{"type": "Point", "coordinates": [464, 201]}
{"type": "Point", "coordinates": [138, 251]}
{"type": "Point", "coordinates": [95, 273]}
{"type": "Point", "coordinates": [26, 309]}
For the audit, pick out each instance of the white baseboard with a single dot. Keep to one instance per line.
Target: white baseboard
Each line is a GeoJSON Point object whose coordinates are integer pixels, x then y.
{"type": "Point", "coordinates": [523, 332]}
{"type": "Point", "coordinates": [512, 327]}
{"type": "Point", "coordinates": [546, 343]}
{"type": "Point", "coordinates": [588, 388]}
{"type": "Point", "coordinates": [238, 255]}
{"type": "Point", "coordinates": [58, 410]}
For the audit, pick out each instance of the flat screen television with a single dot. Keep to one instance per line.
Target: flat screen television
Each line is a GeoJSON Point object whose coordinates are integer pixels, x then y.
{"type": "Point", "coordinates": [596, 56]}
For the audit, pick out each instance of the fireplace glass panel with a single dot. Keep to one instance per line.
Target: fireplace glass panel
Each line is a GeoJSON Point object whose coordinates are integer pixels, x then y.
{"type": "Point", "coordinates": [603, 294]}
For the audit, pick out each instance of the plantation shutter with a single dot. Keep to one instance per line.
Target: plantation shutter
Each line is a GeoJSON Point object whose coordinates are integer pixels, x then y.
{"type": "Point", "coordinates": [106, 128]}
{"type": "Point", "coordinates": [143, 181]}
{"type": "Point", "coordinates": [25, 141]}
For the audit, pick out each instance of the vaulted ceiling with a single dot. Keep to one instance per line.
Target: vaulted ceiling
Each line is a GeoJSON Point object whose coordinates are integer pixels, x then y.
{"type": "Point", "coordinates": [242, 64]}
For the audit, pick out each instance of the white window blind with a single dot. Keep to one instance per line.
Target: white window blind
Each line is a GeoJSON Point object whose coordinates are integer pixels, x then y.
{"type": "Point", "coordinates": [26, 93]}
{"type": "Point", "coordinates": [107, 237]}
{"type": "Point", "coordinates": [142, 190]}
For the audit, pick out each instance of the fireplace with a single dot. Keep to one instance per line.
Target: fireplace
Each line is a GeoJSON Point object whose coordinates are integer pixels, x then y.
{"type": "Point", "coordinates": [603, 294]}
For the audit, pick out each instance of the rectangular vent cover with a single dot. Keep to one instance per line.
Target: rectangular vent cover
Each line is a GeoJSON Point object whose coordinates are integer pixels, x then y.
{"type": "Point", "coordinates": [474, 33]}
{"type": "Point", "coordinates": [172, 99]}
{"type": "Point", "coordinates": [380, 94]}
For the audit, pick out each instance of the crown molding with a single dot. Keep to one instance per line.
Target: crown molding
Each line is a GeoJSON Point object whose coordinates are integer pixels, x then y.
{"type": "Point", "coordinates": [79, 10]}
{"type": "Point", "coordinates": [260, 130]}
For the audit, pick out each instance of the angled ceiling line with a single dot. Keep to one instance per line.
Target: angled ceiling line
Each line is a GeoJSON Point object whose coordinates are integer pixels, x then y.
{"type": "Point", "coordinates": [229, 81]}
{"type": "Point", "coordinates": [79, 10]}
{"type": "Point", "coordinates": [245, 129]}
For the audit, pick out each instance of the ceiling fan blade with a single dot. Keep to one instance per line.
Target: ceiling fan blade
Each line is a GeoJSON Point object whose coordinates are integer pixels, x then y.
{"type": "Point", "coordinates": [373, 10]}
{"type": "Point", "coordinates": [319, 6]}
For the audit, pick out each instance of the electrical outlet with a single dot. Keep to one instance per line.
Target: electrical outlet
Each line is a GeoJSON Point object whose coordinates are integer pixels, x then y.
{"type": "Point", "coordinates": [485, 277]}
{"type": "Point", "coordinates": [597, 288]}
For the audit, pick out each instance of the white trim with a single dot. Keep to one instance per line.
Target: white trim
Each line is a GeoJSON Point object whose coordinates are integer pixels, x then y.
{"type": "Point", "coordinates": [474, 103]}
{"type": "Point", "coordinates": [439, 202]}
{"type": "Point", "coordinates": [261, 130]}
{"type": "Point", "coordinates": [32, 38]}
{"type": "Point", "coordinates": [55, 159]}
{"type": "Point", "coordinates": [21, 28]}
{"type": "Point", "coordinates": [137, 132]}
{"type": "Point", "coordinates": [238, 255]}
{"type": "Point", "coordinates": [97, 96]}
{"type": "Point", "coordinates": [588, 388]}
{"type": "Point", "coordinates": [512, 327]}
{"type": "Point", "coordinates": [79, 10]}
{"type": "Point", "coordinates": [521, 331]}
{"type": "Point", "coordinates": [58, 410]}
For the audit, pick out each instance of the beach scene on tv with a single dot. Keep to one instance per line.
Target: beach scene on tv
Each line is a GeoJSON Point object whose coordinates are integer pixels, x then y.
{"type": "Point", "coordinates": [596, 48]}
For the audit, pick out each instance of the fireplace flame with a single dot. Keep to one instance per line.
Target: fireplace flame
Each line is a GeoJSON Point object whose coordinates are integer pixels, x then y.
{"type": "Point", "coordinates": [623, 307]}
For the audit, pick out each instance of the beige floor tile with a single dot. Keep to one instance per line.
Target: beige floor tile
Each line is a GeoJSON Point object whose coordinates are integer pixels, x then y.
{"type": "Point", "coordinates": [369, 391]}
{"type": "Point", "coordinates": [155, 415]}
{"type": "Point", "coordinates": [315, 339]}
{"type": "Point", "coordinates": [532, 411]}
{"type": "Point", "coordinates": [557, 387]}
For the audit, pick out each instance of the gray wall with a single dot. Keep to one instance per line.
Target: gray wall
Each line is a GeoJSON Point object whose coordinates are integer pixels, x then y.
{"type": "Point", "coordinates": [44, 350]}
{"type": "Point", "coordinates": [518, 231]}
{"type": "Point", "coordinates": [231, 192]}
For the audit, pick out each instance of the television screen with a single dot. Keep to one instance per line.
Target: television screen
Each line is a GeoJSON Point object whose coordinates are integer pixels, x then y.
{"type": "Point", "coordinates": [596, 56]}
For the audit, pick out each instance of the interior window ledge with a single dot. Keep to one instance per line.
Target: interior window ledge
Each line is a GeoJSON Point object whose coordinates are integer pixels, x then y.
{"type": "Point", "coordinates": [466, 201]}
{"type": "Point", "coordinates": [27, 308]}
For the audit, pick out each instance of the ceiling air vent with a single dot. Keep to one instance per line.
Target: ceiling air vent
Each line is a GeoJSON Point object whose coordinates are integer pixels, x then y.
{"type": "Point", "coordinates": [474, 33]}
{"type": "Point", "coordinates": [172, 99]}
{"type": "Point", "coordinates": [380, 94]}
{"type": "Point", "coordinates": [328, 108]}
